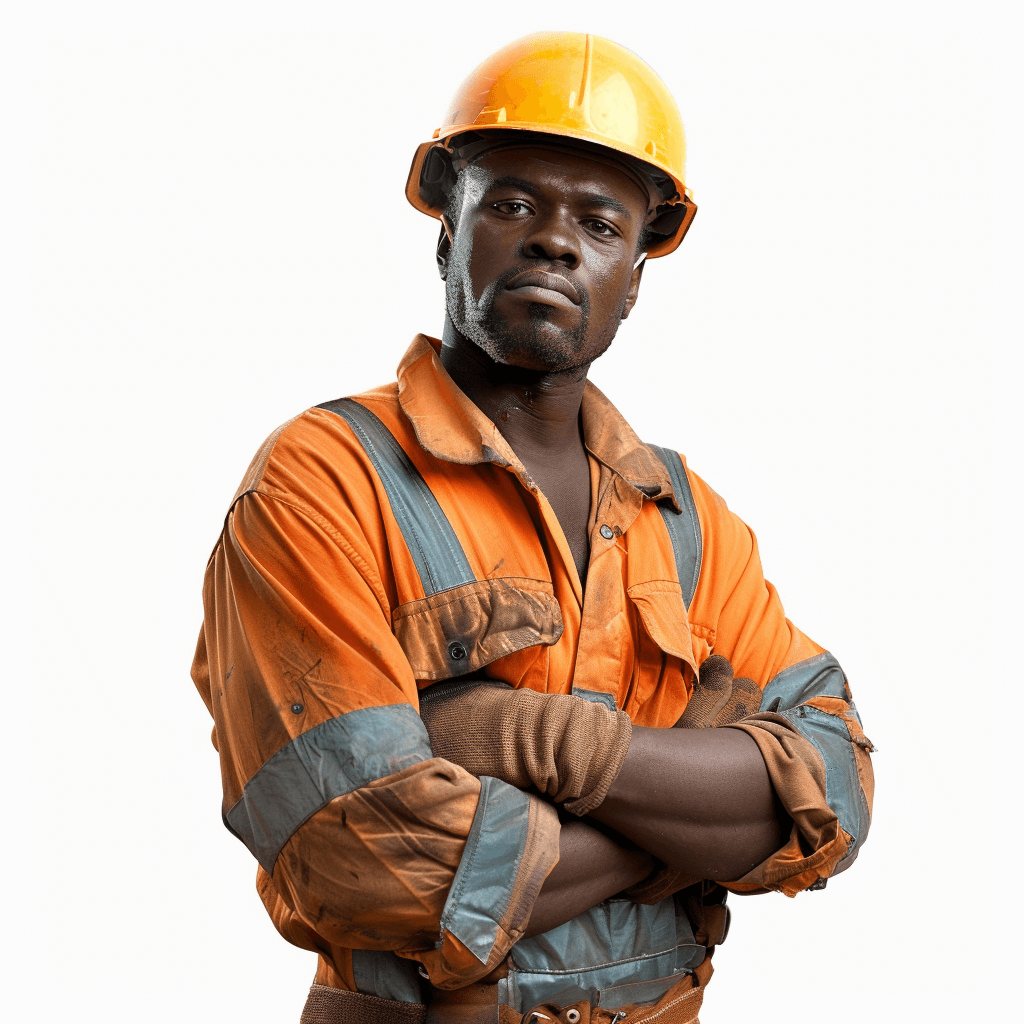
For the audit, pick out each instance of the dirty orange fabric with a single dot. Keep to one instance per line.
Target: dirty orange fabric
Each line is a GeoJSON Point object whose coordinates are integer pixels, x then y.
{"type": "Point", "coordinates": [314, 609]}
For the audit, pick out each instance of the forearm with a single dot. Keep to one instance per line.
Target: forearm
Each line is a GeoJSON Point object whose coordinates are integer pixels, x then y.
{"type": "Point", "coordinates": [591, 867]}
{"type": "Point", "coordinates": [698, 799]}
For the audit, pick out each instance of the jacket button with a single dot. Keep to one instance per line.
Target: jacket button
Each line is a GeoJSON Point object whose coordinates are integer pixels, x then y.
{"type": "Point", "coordinates": [297, 709]}
{"type": "Point", "coordinates": [606, 532]}
{"type": "Point", "coordinates": [457, 651]}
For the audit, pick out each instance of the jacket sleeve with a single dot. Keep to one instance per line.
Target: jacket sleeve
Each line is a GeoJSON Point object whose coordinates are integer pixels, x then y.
{"type": "Point", "coordinates": [807, 729]}
{"type": "Point", "coordinates": [364, 839]}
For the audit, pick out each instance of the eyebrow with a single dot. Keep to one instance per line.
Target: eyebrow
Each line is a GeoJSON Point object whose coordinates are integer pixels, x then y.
{"type": "Point", "coordinates": [596, 199]}
{"type": "Point", "coordinates": [590, 198]}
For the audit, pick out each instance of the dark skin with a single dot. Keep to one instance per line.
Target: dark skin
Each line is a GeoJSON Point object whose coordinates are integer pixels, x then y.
{"type": "Point", "coordinates": [538, 262]}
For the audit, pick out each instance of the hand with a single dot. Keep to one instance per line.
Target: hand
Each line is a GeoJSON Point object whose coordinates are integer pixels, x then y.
{"type": "Point", "coordinates": [565, 747]}
{"type": "Point", "coordinates": [717, 698]}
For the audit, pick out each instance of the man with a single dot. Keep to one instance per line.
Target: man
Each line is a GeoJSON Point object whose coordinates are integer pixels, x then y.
{"type": "Point", "coordinates": [529, 839]}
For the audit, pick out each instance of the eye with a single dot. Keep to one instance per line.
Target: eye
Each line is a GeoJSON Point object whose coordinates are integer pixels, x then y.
{"type": "Point", "coordinates": [511, 207]}
{"type": "Point", "coordinates": [600, 227]}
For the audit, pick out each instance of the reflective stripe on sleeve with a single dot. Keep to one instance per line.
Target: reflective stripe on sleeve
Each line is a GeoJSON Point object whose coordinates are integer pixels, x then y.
{"type": "Point", "coordinates": [487, 872]}
{"type": "Point", "coordinates": [787, 694]}
{"type": "Point", "coordinates": [333, 758]}
{"type": "Point", "coordinates": [842, 784]}
{"type": "Point", "coordinates": [819, 676]}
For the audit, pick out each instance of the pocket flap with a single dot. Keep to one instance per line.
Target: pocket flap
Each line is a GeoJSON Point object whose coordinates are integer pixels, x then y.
{"type": "Point", "coordinates": [663, 614]}
{"type": "Point", "coordinates": [465, 628]}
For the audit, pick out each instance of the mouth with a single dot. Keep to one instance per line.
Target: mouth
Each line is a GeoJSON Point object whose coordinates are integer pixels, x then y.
{"type": "Point", "coordinates": [544, 286]}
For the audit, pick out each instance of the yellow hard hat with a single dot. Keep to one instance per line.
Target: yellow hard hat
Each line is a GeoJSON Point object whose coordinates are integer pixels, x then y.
{"type": "Point", "coordinates": [579, 87]}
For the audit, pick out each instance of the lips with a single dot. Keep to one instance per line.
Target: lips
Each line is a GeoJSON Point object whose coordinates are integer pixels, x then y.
{"type": "Point", "coordinates": [544, 281]}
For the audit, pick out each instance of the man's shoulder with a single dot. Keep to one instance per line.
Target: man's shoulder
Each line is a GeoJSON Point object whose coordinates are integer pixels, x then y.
{"type": "Point", "coordinates": [315, 445]}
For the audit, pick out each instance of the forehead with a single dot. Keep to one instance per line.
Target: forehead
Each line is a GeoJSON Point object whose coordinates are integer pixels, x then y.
{"type": "Point", "coordinates": [564, 170]}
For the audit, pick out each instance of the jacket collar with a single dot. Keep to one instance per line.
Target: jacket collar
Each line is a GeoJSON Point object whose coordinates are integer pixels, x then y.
{"type": "Point", "coordinates": [452, 428]}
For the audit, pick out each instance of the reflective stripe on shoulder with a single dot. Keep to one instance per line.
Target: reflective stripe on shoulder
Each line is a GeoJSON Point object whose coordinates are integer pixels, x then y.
{"type": "Point", "coordinates": [435, 549]}
{"type": "Point", "coordinates": [482, 888]}
{"type": "Point", "coordinates": [684, 526]}
{"type": "Point", "coordinates": [336, 757]}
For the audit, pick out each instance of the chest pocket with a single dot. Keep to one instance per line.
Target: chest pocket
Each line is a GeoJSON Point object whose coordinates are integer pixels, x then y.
{"type": "Point", "coordinates": [462, 623]}
{"type": "Point", "coordinates": [661, 604]}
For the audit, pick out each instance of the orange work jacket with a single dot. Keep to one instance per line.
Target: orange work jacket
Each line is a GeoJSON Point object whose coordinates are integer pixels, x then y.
{"type": "Point", "coordinates": [335, 593]}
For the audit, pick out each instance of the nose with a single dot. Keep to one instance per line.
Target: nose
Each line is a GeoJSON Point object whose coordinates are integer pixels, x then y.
{"type": "Point", "coordinates": [553, 238]}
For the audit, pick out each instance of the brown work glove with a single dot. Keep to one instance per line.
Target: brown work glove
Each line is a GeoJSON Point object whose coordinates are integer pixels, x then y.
{"type": "Point", "coordinates": [717, 700]}
{"type": "Point", "coordinates": [566, 747]}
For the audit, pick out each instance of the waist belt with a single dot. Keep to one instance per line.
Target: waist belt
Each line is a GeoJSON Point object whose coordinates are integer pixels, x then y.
{"type": "Point", "coordinates": [477, 1004]}
{"type": "Point", "coordinates": [327, 1005]}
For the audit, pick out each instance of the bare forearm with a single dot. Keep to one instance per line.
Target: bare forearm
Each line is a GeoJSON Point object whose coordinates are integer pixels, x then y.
{"type": "Point", "coordinates": [698, 799]}
{"type": "Point", "coordinates": [591, 867]}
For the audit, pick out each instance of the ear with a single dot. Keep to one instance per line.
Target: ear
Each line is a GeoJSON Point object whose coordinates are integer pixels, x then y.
{"type": "Point", "coordinates": [444, 246]}
{"type": "Point", "coordinates": [634, 288]}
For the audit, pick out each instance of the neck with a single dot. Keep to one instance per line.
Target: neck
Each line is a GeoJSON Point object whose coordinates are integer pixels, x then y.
{"type": "Point", "coordinates": [537, 411]}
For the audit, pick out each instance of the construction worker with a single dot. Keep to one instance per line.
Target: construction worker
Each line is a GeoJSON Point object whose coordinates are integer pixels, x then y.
{"type": "Point", "coordinates": [503, 701]}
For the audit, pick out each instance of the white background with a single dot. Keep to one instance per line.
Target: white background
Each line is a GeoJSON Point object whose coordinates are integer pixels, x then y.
{"type": "Point", "coordinates": [207, 234]}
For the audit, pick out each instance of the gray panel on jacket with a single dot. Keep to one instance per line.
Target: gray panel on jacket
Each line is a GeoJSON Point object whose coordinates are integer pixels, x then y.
{"type": "Point", "coordinates": [596, 697]}
{"type": "Point", "coordinates": [819, 676]}
{"type": "Point", "coordinates": [333, 758]}
{"type": "Point", "coordinates": [387, 975]}
{"type": "Point", "coordinates": [618, 952]}
{"type": "Point", "coordinates": [822, 676]}
{"type": "Point", "coordinates": [683, 527]}
{"type": "Point", "coordinates": [842, 783]}
{"type": "Point", "coordinates": [483, 883]}
{"type": "Point", "coordinates": [435, 549]}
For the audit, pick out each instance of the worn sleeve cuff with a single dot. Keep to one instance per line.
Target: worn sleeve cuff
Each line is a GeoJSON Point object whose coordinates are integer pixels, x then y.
{"type": "Point", "coordinates": [817, 842]}
{"type": "Point", "coordinates": [511, 849]}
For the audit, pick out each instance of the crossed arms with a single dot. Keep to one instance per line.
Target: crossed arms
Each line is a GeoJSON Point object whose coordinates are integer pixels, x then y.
{"type": "Point", "coordinates": [698, 800]}
{"type": "Point", "coordinates": [366, 838]}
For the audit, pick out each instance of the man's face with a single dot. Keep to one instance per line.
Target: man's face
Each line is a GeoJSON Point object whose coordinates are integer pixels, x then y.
{"type": "Point", "coordinates": [540, 272]}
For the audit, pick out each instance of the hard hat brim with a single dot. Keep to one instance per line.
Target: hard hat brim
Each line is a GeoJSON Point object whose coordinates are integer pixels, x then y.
{"type": "Point", "coordinates": [415, 192]}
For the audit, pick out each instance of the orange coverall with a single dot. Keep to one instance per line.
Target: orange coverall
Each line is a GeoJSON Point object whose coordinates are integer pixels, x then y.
{"type": "Point", "coordinates": [319, 632]}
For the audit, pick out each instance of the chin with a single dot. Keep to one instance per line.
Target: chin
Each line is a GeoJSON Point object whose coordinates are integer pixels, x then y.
{"type": "Point", "coordinates": [535, 337]}
{"type": "Point", "coordinates": [529, 349]}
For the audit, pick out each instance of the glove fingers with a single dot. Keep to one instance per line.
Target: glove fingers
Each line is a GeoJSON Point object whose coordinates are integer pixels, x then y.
{"type": "Point", "coordinates": [744, 700]}
{"type": "Point", "coordinates": [711, 691]}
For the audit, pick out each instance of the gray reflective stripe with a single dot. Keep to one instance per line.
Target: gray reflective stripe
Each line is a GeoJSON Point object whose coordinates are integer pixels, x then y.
{"type": "Point", "coordinates": [842, 783]}
{"type": "Point", "coordinates": [333, 758]}
{"type": "Point", "coordinates": [436, 551]}
{"type": "Point", "coordinates": [819, 676]}
{"type": "Point", "coordinates": [607, 699]}
{"type": "Point", "coordinates": [683, 527]}
{"type": "Point", "coordinates": [483, 884]}
{"type": "Point", "coordinates": [387, 975]}
{"type": "Point", "coordinates": [611, 952]}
